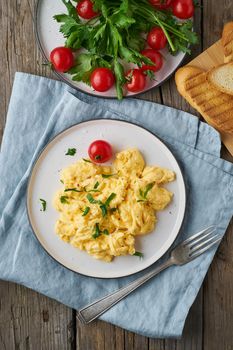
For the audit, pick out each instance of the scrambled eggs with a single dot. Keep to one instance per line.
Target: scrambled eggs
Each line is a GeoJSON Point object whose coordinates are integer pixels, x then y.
{"type": "Point", "coordinates": [103, 208]}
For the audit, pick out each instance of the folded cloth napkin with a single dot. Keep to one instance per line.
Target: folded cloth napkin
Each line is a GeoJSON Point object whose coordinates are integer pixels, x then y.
{"type": "Point", "coordinates": [39, 109]}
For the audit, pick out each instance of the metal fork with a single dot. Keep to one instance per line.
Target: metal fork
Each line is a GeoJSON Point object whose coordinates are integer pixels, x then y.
{"type": "Point", "coordinates": [185, 252]}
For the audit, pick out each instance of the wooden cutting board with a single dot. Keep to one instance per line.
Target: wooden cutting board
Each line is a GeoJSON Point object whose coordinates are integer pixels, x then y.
{"type": "Point", "coordinates": [213, 56]}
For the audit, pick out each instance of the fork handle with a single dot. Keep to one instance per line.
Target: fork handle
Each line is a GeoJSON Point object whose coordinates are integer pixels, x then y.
{"type": "Point", "coordinates": [92, 311]}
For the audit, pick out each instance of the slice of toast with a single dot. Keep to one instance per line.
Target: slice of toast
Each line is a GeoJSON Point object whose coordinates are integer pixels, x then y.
{"type": "Point", "coordinates": [221, 78]}
{"type": "Point", "coordinates": [227, 42]}
{"type": "Point", "coordinates": [215, 106]}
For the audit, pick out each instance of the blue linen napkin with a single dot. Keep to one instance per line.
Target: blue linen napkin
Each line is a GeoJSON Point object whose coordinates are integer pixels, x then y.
{"type": "Point", "coordinates": [39, 109]}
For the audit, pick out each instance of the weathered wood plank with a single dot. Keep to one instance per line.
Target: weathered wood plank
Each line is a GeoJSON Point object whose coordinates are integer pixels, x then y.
{"type": "Point", "coordinates": [99, 336]}
{"type": "Point", "coordinates": [218, 286]}
{"type": "Point", "coordinates": [27, 319]}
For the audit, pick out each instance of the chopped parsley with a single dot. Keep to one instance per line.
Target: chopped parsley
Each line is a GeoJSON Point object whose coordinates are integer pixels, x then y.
{"type": "Point", "coordinates": [110, 198]}
{"type": "Point", "coordinates": [86, 211]}
{"type": "Point", "coordinates": [105, 232]}
{"type": "Point", "coordinates": [104, 210]}
{"type": "Point", "coordinates": [138, 254]}
{"type": "Point", "coordinates": [44, 204]}
{"type": "Point", "coordinates": [72, 189]}
{"type": "Point", "coordinates": [97, 231]}
{"type": "Point", "coordinates": [86, 160]}
{"type": "Point", "coordinates": [63, 199]}
{"type": "Point", "coordinates": [143, 194]}
{"type": "Point", "coordinates": [71, 152]}
{"type": "Point", "coordinates": [96, 185]}
{"type": "Point", "coordinates": [62, 181]}
{"type": "Point", "coordinates": [92, 200]}
{"type": "Point", "coordinates": [103, 206]}
{"type": "Point", "coordinates": [105, 176]}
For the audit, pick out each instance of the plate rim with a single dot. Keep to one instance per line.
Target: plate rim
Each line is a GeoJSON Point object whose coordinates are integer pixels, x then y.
{"type": "Point", "coordinates": [30, 179]}
{"type": "Point", "coordinates": [39, 43]}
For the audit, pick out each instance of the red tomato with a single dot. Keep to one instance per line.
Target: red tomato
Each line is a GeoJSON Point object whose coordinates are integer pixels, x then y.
{"type": "Point", "coordinates": [161, 4]}
{"type": "Point", "coordinates": [183, 9]}
{"type": "Point", "coordinates": [156, 38]}
{"type": "Point", "coordinates": [155, 57]}
{"type": "Point", "coordinates": [85, 9]}
{"type": "Point", "coordinates": [100, 151]}
{"type": "Point", "coordinates": [136, 80]}
{"type": "Point", "coordinates": [102, 79]}
{"type": "Point", "coordinates": [62, 58]}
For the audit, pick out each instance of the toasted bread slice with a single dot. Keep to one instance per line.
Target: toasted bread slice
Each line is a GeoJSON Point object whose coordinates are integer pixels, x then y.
{"type": "Point", "coordinates": [215, 106]}
{"type": "Point", "coordinates": [227, 42]}
{"type": "Point", "coordinates": [221, 78]}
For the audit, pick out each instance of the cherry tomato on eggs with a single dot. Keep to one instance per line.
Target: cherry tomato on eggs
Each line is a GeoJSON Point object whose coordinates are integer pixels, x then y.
{"type": "Point", "coordinates": [102, 79]}
{"type": "Point", "coordinates": [85, 9]}
{"type": "Point", "coordinates": [136, 80]}
{"type": "Point", "coordinates": [156, 38]}
{"type": "Point", "coordinates": [62, 58]}
{"type": "Point", "coordinates": [161, 4]}
{"type": "Point", "coordinates": [155, 57]}
{"type": "Point", "coordinates": [100, 151]}
{"type": "Point", "coordinates": [183, 9]}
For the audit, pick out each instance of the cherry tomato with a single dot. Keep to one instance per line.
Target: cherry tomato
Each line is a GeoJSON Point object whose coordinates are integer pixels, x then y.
{"type": "Point", "coordinates": [161, 4]}
{"type": "Point", "coordinates": [155, 57]}
{"type": "Point", "coordinates": [85, 9]}
{"type": "Point", "coordinates": [136, 80]}
{"type": "Point", "coordinates": [156, 38]}
{"type": "Point", "coordinates": [183, 9]}
{"type": "Point", "coordinates": [102, 79]}
{"type": "Point", "coordinates": [62, 59]}
{"type": "Point", "coordinates": [100, 151]}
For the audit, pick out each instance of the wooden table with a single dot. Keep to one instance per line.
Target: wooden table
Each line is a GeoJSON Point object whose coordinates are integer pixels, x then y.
{"type": "Point", "coordinates": [29, 320]}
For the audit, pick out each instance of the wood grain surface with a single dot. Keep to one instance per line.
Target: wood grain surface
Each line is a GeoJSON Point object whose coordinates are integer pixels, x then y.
{"type": "Point", "coordinates": [31, 321]}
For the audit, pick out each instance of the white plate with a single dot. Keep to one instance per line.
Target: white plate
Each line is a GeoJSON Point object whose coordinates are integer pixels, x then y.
{"type": "Point", "coordinates": [49, 37]}
{"type": "Point", "coordinates": [44, 182]}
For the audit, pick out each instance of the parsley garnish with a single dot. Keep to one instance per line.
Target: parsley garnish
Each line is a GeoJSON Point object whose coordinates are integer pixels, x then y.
{"type": "Point", "coordinates": [86, 211]}
{"type": "Point", "coordinates": [103, 206]}
{"type": "Point", "coordinates": [44, 204]}
{"type": "Point", "coordinates": [86, 160]}
{"type": "Point", "coordinates": [109, 199]}
{"type": "Point", "coordinates": [63, 199]}
{"type": "Point", "coordinates": [97, 157]}
{"type": "Point", "coordinates": [62, 181]}
{"type": "Point", "coordinates": [143, 194]}
{"type": "Point", "coordinates": [105, 176]}
{"type": "Point", "coordinates": [104, 210]}
{"type": "Point", "coordinates": [71, 152]}
{"type": "Point", "coordinates": [96, 185]}
{"type": "Point", "coordinates": [72, 189]}
{"type": "Point", "coordinates": [92, 200]}
{"type": "Point", "coordinates": [97, 231]}
{"type": "Point", "coordinates": [138, 254]}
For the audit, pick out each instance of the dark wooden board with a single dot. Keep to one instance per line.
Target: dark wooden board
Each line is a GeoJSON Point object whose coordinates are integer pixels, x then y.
{"type": "Point", "coordinates": [31, 321]}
